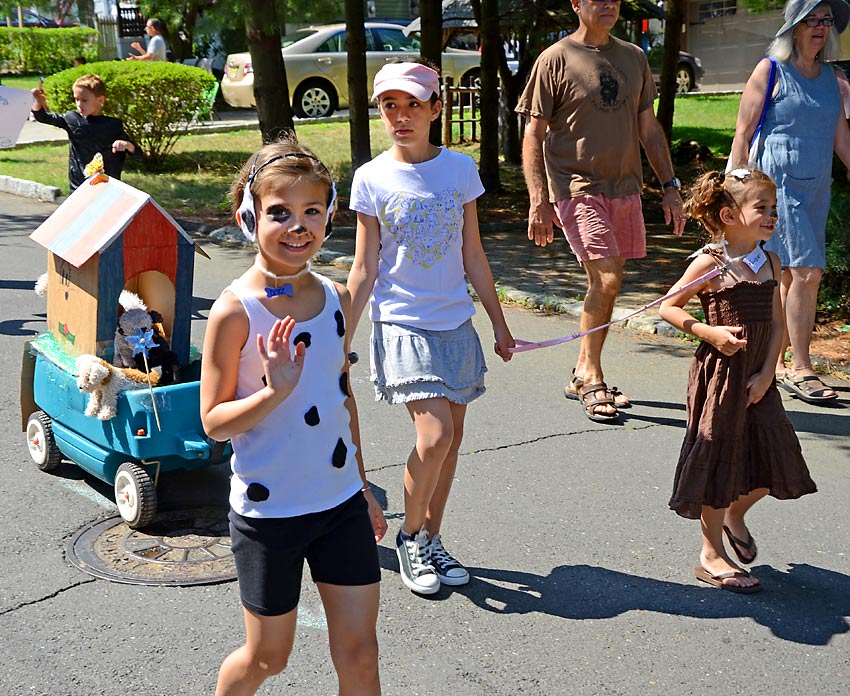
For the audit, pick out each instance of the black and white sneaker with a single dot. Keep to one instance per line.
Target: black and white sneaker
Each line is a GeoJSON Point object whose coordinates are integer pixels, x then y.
{"type": "Point", "coordinates": [414, 563]}
{"type": "Point", "coordinates": [449, 570]}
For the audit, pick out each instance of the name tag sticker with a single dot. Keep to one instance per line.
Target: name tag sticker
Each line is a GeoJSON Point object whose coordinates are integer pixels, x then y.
{"type": "Point", "coordinates": [755, 259]}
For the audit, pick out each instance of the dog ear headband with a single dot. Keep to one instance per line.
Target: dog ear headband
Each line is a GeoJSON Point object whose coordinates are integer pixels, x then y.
{"type": "Point", "coordinates": [245, 213]}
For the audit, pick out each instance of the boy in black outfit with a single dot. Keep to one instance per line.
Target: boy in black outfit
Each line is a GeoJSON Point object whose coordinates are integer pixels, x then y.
{"type": "Point", "coordinates": [89, 131]}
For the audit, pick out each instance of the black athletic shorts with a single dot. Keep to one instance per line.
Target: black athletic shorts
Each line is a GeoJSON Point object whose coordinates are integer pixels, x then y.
{"type": "Point", "coordinates": [338, 544]}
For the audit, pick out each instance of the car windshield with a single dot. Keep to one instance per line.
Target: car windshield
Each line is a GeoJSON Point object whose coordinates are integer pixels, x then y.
{"type": "Point", "coordinates": [290, 39]}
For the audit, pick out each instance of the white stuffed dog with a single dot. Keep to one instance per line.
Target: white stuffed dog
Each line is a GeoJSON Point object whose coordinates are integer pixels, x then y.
{"type": "Point", "coordinates": [102, 382]}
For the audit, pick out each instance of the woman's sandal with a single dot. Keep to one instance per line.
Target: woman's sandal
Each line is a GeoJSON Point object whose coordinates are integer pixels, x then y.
{"type": "Point", "coordinates": [740, 547]}
{"type": "Point", "coordinates": [800, 387]}
{"type": "Point", "coordinates": [573, 389]}
{"type": "Point", "coordinates": [589, 402]}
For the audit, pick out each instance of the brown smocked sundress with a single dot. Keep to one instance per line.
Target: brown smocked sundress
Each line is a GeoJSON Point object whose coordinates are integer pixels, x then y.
{"type": "Point", "coordinates": [731, 449]}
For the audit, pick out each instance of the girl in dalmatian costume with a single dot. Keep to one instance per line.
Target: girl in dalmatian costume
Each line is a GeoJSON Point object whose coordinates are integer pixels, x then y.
{"type": "Point", "coordinates": [275, 382]}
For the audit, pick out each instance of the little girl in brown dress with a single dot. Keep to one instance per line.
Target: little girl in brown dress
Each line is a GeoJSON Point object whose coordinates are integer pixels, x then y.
{"type": "Point", "coordinates": [739, 445]}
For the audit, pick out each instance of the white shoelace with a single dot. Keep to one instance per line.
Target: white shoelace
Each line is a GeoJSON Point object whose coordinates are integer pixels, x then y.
{"type": "Point", "coordinates": [418, 555]}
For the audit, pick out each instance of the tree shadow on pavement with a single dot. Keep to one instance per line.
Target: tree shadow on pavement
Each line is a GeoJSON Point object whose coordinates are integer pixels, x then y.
{"type": "Point", "coordinates": [806, 605]}
{"type": "Point", "coordinates": [636, 415]}
{"type": "Point", "coordinates": [834, 421]}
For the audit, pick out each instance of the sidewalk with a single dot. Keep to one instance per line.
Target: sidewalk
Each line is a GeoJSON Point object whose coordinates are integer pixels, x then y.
{"type": "Point", "coordinates": [547, 278]}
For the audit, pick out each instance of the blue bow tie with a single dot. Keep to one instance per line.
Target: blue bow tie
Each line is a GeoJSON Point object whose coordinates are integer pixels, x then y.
{"type": "Point", "coordinates": [284, 290]}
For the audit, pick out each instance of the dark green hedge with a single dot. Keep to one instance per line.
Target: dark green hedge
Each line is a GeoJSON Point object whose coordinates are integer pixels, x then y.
{"type": "Point", "coordinates": [834, 295]}
{"type": "Point", "coordinates": [154, 100]}
{"type": "Point", "coordinates": [37, 50]}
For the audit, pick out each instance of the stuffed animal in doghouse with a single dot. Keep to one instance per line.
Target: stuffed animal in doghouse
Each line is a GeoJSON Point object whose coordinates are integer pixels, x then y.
{"type": "Point", "coordinates": [137, 318]}
{"type": "Point", "coordinates": [103, 382]}
{"type": "Point", "coordinates": [41, 285]}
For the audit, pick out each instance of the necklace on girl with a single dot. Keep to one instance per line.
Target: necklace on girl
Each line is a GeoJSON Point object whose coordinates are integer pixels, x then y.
{"type": "Point", "coordinates": [754, 259]}
{"type": "Point", "coordinates": [285, 289]}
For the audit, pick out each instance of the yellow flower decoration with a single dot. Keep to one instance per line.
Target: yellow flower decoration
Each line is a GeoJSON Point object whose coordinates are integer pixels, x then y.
{"type": "Point", "coordinates": [95, 166]}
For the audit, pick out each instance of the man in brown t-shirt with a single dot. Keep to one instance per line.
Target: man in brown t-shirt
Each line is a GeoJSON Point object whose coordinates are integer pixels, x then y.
{"type": "Point", "coordinates": [588, 104]}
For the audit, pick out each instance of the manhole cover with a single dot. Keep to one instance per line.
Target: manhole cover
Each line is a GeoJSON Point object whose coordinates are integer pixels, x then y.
{"type": "Point", "coordinates": [182, 547]}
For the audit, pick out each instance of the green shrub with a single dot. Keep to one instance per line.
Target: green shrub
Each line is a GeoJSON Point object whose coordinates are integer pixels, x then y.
{"type": "Point", "coordinates": [155, 101]}
{"type": "Point", "coordinates": [46, 51]}
{"type": "Point", "coordinates": [834, 294]}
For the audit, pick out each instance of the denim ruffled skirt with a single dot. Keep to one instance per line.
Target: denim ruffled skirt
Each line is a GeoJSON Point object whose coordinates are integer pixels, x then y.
{"type": "Point", "coordinates": [411, 364]}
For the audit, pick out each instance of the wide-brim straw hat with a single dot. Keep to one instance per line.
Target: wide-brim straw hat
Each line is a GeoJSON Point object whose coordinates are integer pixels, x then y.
{"type": "Point", "coordinates": [797, 10]}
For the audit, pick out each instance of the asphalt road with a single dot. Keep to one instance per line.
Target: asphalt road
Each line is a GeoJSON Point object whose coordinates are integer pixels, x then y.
{"type": "Point", "coordinates": [581, 575]}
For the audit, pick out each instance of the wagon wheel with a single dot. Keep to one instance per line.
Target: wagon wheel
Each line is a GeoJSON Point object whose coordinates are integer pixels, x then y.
{"type": "Point", "coordinates": [41, 443]}
{"type": "Point", "coordinates": [135, 495]}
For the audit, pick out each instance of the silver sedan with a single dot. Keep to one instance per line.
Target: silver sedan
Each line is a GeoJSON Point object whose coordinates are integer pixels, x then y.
{"type": "Point", "coordinates": [317, 66]}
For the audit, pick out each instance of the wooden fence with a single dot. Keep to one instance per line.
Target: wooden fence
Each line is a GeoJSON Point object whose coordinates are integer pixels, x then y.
{"type": "Point", "coordinates": [460, 106]}
{"type": "Point", "coordinates": [107, 47]}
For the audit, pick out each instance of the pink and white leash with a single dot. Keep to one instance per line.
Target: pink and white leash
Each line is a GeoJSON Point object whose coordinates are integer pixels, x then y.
{"type": "Point", "coordinates": [522, 346]}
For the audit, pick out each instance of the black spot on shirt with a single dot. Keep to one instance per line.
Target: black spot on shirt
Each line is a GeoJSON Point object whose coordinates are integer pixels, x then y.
{"type": "Point", "coordinates": [304, 337]}
{"type": "Point", "coordinates": [340, 323]}
{"type": "Point", "coordinates": [312, 416]}
{"type": "Point", "coordinates": [343, 384]}
{"type": "Point", "coordinates": [257, 492]}
{"type": "Point", "coordinates": [339, 455]}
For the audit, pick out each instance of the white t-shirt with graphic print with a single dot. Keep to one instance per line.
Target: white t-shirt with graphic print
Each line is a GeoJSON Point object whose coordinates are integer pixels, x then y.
{"type": "Point", "coordinates": [420, 210]}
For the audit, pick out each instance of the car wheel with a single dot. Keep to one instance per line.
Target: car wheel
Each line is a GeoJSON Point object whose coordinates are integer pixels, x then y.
{"type": "Point", "coordinates": [684, 79]}
{"type": "Point", "coordinates": [471, 79]}
{"type": "Point", "coordinates": [314, 100]}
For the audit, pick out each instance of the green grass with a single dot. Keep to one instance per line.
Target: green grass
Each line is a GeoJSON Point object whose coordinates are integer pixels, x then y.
{"type": "Point", "coordinates": [19, 81]}
{"type": "Point", "coordinates": [709, 120]}
{"type": "Point", "coordinates": [193, 181]}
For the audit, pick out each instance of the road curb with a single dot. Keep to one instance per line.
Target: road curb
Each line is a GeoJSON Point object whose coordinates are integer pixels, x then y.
{"type": "Point", "coordinates": [28, 189]}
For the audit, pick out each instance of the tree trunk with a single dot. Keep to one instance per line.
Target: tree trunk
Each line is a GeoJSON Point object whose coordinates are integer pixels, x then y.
{"type": "Point", "coordinates": [672, 40]}
{"type": "Point", "coordinates": [358, 91]}
{"type": "Point", "coordinates": [509, 137]}
{"type": "Point", "coordinates": [431, 47]}
{"type": "Point", "coordinates": [487, 16]}
{"type": "Point", "coordinates": [182, 38]}
{"type": "Point", "coordinates": [271, 92]}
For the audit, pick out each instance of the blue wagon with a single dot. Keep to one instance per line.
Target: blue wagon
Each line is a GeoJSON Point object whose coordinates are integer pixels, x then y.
{"type": "Point", "coordinates": [105, 238]}
{"type": "Point", "coordinates": [128, 451]}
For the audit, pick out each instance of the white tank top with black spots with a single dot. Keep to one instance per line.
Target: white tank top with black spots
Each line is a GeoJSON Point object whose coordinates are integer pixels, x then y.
{"type": "Point", "coordinates": [300, 458]}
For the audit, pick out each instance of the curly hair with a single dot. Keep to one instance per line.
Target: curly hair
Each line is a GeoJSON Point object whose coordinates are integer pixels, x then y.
{"type": "Point", "coordinates": [713, 191]}
{"type": "Point", "coordinates": [280, 159]}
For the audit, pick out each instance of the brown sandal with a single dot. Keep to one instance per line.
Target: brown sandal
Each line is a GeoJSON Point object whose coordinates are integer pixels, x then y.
{"type": "Point", "coordinates": [589, 401]}
{"type": "Point", "coordinates": [740, 547]}
{"type": "Point", "coordinates": [573, 389]}
{"type": "Point", "coordinates": [701, 573]}
{"type": "Point", "coordinates": [803, 390]}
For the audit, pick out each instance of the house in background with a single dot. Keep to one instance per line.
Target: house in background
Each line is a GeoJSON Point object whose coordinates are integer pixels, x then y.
{"type": "Point", "coordinates": [119, 24]}
{"type": "Point", "coordinates": [730, 40]}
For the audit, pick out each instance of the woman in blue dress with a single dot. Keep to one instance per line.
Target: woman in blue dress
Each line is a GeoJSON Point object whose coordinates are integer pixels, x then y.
{"type": "Point", "coordinates": [803, 125]}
